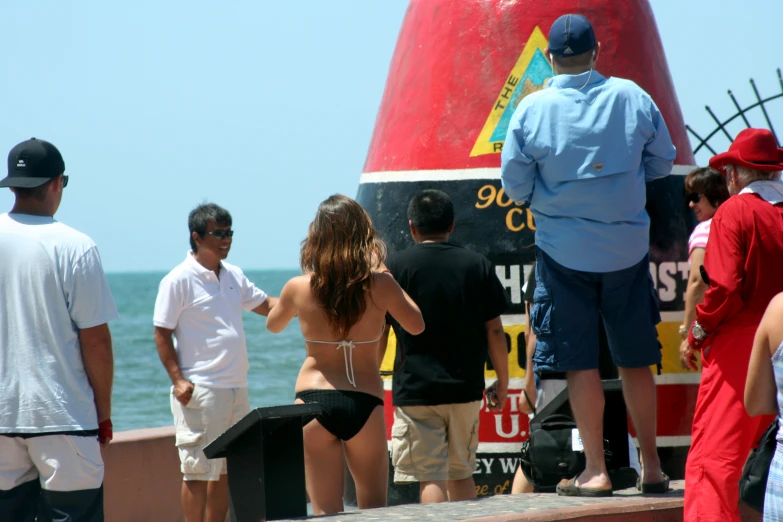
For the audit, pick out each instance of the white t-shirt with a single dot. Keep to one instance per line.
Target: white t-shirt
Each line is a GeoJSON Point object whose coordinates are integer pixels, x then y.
{"type": "Point", "coordinates": [206, 315]}
{"type": "Point", "coordinates": [52, 284]}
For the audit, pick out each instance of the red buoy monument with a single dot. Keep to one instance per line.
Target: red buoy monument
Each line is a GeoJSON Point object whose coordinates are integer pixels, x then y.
{"type": "Point", "coordinates": [459, 70]}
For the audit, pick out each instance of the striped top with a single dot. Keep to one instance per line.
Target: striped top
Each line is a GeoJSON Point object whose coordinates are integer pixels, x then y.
{"type": "Point", "coordinates": [699, 236]}
{"type": "Point", "coordinates": [773, 499]}
{"type": "Point", "coordinates": [777, 366]}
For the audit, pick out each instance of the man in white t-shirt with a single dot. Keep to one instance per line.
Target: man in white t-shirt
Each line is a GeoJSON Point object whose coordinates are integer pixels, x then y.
{"type": "Point", "coordinates": [56, 362]}
{"type": "Point", "coordinates": [200, 304]}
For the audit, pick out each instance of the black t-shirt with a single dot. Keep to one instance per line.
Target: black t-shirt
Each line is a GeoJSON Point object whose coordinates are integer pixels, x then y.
{"type": "Point", "coordinates": [457, 291]}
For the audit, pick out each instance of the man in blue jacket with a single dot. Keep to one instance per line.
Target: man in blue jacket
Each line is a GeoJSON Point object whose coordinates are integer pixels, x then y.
{"type": "Point", "coordinates": [580, 152]}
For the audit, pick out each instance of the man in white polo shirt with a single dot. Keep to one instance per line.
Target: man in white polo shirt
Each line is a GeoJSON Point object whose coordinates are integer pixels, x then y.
{"type": "Point", "coordinates": [56, 364]}
{"type": "Point", "coordinates": [200, 303]}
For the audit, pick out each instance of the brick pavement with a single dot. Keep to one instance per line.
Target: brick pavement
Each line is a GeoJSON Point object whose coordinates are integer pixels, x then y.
{"type": "Point", "coordinates": [626, 504]}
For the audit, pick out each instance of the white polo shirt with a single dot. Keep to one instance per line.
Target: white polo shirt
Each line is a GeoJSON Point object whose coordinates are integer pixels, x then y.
{"type": "Point", "coordinates": [205, 313]}
{"type": "Point", "coordinates": [51, 285]}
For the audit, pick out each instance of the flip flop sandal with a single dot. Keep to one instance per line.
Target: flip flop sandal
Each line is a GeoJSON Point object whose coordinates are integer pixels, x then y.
{"type": "Point", "coordinates": [570, 489]}
{"type": "Point", "coordinates": [653, 487]}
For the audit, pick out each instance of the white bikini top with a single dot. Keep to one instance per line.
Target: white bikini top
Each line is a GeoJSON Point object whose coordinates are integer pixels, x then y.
{"type": "Point", "coordinates": [348, 347]}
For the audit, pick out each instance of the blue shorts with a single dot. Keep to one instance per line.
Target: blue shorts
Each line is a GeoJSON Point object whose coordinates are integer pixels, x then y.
{"type": "Point", "coordinates": [568, 304]}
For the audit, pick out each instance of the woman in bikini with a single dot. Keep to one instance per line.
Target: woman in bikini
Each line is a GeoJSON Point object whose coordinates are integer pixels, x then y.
{"type": "Point", "coordinates": [341, 302]}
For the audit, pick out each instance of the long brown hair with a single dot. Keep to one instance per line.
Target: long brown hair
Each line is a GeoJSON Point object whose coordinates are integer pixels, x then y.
{"type": "Point", "coordinates": [341, 249]}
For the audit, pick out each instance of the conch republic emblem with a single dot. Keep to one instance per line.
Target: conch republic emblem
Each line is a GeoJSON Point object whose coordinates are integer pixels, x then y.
{"type": "Point", "coordinates": [459, 70]}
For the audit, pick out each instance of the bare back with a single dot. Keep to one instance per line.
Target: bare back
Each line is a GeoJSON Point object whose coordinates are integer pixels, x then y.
{"type": "Point", "coordinates": [327, 363]}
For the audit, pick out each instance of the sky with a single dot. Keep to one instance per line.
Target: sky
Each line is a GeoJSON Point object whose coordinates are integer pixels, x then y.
{"type": "Point", "coordinates": [266, 108]}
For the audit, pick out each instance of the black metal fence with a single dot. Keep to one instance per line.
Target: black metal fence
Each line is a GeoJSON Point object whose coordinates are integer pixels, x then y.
{"type": "Point", "coordinates": [741, 113]}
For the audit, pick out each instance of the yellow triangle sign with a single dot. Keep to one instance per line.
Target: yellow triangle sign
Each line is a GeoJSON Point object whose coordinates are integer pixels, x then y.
{"type": "Point", "coordinates": [530, 74]}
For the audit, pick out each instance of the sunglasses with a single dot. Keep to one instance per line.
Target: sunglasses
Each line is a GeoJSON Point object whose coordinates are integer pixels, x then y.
{"type": "Point", "coordinates": [65, 181]}
{"type": "Point", "coordinates": [221, 234]}
{"type": "Point", "coordinates": [693, 197]}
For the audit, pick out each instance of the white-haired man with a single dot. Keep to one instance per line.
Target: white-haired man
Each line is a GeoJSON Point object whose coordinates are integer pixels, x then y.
{"type": "Point", "coordinates": [742, 265]}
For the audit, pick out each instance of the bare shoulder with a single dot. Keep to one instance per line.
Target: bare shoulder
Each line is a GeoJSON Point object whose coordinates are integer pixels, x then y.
{"type": "Point", "coordinates": [383, 286]}
{"type": "Point", "coordinates": [300, 280]}
{"type": "Point", "coordinates": [298, 284]}
{"type": "Point", "coordinates": [383, 281]}
{"type": "Point", "coordinates": [771, 323]}
{"type": "Point", "coordinates": [775, 308]}
{"type": "Point", "coordinates": [771, 326]}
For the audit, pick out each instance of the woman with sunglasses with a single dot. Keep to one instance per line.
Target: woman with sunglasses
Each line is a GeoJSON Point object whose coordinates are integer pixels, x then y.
{"type": "Point", "coordinates": [705, 190]}
{"type": "Point", "coordinates": [341, 302]}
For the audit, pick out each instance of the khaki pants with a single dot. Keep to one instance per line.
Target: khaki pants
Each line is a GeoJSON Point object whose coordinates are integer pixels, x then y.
{"type": "Point", "coordinates": [432, 443]}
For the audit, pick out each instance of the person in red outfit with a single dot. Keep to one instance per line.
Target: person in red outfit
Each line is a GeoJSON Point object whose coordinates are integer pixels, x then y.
{"type": "Point", "coordinates": [742, 267]}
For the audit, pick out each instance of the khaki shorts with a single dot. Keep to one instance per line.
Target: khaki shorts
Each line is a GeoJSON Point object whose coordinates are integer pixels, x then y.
{"type": "Point", "coordinates": [435, 442]}
{"type": "Point", "coordinates": [210, 412]}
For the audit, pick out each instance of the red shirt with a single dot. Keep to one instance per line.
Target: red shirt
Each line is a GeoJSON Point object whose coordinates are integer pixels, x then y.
{"type": "Point", "coordinates": [744, 262]}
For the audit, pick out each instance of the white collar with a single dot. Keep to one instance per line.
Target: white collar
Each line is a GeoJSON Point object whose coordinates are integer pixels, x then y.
{"type": "Point", "coordinates": [770, 191]}
{"type": "Point", "coordinates": [197, 267]}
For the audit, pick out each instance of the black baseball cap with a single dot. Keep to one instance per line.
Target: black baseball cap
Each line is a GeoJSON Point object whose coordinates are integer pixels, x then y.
{"type": "Point", "coordinates": [32, 163]}
{"type": "Point", "coordinates": [570, 35]}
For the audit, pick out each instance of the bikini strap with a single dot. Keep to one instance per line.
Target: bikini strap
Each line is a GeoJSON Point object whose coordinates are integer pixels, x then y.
{"type": "Point", "coordinates": [348, 347]}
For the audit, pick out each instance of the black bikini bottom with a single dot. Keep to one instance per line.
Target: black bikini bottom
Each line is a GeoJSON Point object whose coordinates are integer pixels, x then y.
{"type": "Point", "coordinates": [343, 413]}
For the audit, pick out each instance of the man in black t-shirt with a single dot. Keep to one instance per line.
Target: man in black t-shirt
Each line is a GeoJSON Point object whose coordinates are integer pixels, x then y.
{"type": "Point", "coordinates": [438, 382]}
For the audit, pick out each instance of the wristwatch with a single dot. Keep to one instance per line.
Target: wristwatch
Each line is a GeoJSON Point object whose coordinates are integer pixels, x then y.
{"type": "Point", "coordinates": [698, 332]}
{"type": "Point", "coordinates": [683, 332]}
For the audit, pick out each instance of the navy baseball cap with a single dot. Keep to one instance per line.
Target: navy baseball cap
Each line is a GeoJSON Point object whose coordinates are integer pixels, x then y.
{"type": "Point", "coordinates": [570, 35]}
{"type": "Point", "coordinates": [32, 163]}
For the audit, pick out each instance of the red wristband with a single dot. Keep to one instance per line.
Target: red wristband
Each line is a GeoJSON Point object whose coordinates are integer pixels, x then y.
{"type": "Point", "coordinates": [105, 433]}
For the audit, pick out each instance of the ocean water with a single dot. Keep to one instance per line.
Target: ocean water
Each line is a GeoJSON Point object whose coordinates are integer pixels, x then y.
{"type": "Point", "coordinates": [140, 398]}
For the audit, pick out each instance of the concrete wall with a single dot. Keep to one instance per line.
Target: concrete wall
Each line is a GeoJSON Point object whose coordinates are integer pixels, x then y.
{"type": "Point", "coordinates": [143, 480]}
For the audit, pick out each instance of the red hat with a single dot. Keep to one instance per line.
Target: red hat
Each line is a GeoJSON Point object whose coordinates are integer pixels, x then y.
{"type": "Point", "coordinates": [753, 148]}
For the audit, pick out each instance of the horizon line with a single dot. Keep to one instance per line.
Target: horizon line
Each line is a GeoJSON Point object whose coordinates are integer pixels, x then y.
{"type": "Point", "coordinates": [166, 270]}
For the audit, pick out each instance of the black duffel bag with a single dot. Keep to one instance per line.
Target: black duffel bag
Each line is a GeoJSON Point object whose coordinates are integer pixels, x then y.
{"type": "Point", "coordinates": [548, 455]}
{"type": "Point", "coordinates": [753, 483]}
